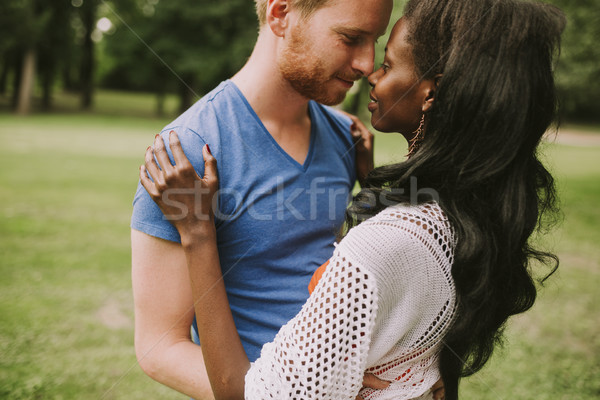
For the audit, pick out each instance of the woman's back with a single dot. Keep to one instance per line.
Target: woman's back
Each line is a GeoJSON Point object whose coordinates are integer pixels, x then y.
{"type": "Point", "coordinates": [383, 304]}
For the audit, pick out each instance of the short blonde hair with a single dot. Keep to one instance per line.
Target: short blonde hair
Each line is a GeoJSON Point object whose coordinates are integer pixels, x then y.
{"type": "Point", "coordinates": [306, 8]}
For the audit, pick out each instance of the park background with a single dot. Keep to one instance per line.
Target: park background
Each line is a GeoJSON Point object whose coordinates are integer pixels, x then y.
{"type": "Point", "coordinates": [84, 87]}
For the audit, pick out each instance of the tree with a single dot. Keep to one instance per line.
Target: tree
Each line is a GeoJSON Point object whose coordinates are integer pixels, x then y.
{"type": "Point", "coordinates": [204, 44]}
{"type": "Point", "coordinates": [88, 12]}
{"type": "Point", "coordinates": [187, 46]}
{"type": "Point", "coordinates": [20, 21]}
{"type": "Point", "coordinates": [11, 34]}
{"type": "Point", "coordinates": [34, 35]}
{"type": "Point", "coordinates": [54, 46]}
{"type": "Point", "coordinates": [578, 69]}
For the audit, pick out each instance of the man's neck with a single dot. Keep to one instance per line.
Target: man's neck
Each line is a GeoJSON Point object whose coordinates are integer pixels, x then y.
{"type": "Point", "coordinates": [271, 96]}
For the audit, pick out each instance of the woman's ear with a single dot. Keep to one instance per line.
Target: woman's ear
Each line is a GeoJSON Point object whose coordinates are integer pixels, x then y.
{"type": "Point", "coordinates": [277, 16]}
{"type": "Point", "coordinates": [431, 88]}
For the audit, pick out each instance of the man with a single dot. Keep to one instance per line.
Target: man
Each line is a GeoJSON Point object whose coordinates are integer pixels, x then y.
{"type": "Point", "coordinates": [286, 167]}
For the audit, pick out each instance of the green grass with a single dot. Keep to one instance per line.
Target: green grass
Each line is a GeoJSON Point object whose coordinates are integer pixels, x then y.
{"type": "Point", "coordinates": [106, 102]}
{"type": "Point", "coordinates": [553, 351]}
{"type": "Point", "coordinates": [66, 185]}
{"type": "Point", "coordinates": [66, 310]}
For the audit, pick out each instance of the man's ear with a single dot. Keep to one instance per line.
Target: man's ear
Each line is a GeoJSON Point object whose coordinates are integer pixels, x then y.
{"type": "Point", "coordinates": [277, 16]}
{"type": "Point", "coordinates": [431, 89]}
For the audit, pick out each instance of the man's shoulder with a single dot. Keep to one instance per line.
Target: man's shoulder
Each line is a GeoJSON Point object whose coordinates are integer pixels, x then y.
{"type": "Point", "coordinates": [202, 117]}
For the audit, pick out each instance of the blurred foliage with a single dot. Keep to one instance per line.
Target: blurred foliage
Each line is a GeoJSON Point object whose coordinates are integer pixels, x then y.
{"type": "Point", "coordinates": [187, 48]}
{"type": "Point", "coordinates": [578, 69]}
{"type": "Point", "coordinates": [53, 30]}
{"type": "Point", "coordinates": [192, 46]}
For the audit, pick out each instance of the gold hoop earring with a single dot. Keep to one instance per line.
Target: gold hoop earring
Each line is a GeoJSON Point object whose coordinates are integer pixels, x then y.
{"type": "Point", "coordinates": [418, 135]}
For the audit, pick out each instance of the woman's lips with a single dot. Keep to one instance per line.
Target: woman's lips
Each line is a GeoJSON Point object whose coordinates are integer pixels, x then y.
{"type": "Point", "coordinates": [372, 104]}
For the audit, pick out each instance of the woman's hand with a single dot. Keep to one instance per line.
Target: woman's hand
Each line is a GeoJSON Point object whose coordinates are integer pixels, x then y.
{"type": "Point", "coordinates": [185, 198]}
{"type": "Point", "coordinates": [363, 141]}
{"type": "Point", "coordinates": [371, 381]}
{"type": "Point", "coordinates": [438, 390]}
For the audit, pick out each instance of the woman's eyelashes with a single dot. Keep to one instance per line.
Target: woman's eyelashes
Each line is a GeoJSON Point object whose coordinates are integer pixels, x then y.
{"type": "Point", "coordinates": [385, 67]}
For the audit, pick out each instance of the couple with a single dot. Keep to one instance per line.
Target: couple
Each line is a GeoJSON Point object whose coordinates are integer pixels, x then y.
{"type": "Point", "coordinates": [421, 284]}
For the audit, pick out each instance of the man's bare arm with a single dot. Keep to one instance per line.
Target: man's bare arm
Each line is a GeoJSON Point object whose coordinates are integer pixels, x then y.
{"type": "Point", "coordinates": [164, 311]}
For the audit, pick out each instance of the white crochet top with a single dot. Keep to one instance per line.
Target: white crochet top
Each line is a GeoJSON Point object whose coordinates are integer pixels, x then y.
{"type": "Point", "coordinates": [382, 306]}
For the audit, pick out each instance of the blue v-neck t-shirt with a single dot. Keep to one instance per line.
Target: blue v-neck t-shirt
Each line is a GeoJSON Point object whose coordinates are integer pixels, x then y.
{"type": "Point", "coordinates": [276, 218]}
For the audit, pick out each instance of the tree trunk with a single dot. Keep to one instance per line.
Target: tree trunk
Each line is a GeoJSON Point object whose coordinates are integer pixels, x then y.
{"type": "Point", "coordinates": [67, 79]}
{"type": "Point", "coordinates": [47, 77]}
{"type": "Point", "coordinates": [160, 103]}
{"type": "Point", "coordinates": [87, 59]}
{"type": "Point", "coordinates": [18, 68]}
{"type": "Point", "coordinates": [185, 95]}
{"type": "Point", "coordinates": [4, 73]}
{"type": "Point", "coordinates": [27, 82]}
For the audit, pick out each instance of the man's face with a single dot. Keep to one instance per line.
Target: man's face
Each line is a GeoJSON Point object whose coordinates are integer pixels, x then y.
{"type": "Point", "coordinates": [335, 46]}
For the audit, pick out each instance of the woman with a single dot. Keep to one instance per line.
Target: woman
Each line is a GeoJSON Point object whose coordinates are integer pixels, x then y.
{"type": "Point", "coordinates": [424, 280]}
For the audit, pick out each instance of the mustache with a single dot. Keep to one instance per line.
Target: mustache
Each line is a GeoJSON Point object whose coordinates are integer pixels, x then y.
{"type": "Point", "coordinates": [353, 77]}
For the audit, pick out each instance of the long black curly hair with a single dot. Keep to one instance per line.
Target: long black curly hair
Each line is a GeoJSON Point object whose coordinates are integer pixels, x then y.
{"type": "Point", "coordinates": [479, 158]}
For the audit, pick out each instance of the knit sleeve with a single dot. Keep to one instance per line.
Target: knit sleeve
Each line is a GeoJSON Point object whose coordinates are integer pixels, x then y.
{"type": "Point", "coordinates": [321, 353]}
{"type": "Point", "coordinates": [409, 253]}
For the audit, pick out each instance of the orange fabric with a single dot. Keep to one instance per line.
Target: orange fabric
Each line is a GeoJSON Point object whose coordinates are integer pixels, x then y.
{"type": "Point", "coordinates": [316, 277]}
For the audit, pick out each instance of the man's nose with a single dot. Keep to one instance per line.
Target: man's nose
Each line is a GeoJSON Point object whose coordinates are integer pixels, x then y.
{"type": "Point", "coordinates": [364, 59]}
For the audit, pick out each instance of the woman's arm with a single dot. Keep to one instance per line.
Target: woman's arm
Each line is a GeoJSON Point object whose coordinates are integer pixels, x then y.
{"type": "Point", "coordinates": [224, 356]}
{"type": "Point", "coordinates": [171, 187]}
{"type": "Point", "coordinates": [179, 187]}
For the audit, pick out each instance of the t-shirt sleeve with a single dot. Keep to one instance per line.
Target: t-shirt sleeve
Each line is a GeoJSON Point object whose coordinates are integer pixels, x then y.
{"type": "Point", "coordinates": [146, 216]}
{"type": "Point", "coordinates": [321, 353]}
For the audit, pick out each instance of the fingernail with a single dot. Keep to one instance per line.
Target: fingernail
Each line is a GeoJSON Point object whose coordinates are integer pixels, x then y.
{"type": "Point", "coordinates": [208, 149]}
{"type": "Point", "coordinates": [157, 136]}
{"type": "Point", "coordinates": [171, 132]}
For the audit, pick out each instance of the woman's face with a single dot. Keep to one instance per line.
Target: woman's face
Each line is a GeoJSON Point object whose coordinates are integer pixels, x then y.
{"type": "Point", "coordinates": [399, 97]}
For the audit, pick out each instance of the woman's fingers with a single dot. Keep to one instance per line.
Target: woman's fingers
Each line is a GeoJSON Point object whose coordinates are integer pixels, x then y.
{"type": "Point", "coordinates": [373, 382]}
{"type": "Point", "coordinates": [438, 385]}
{"type": "Point", "coordinates": [152, 169]}
{"type": "Point", "coordinates": [360, 131]}
{"type": "Point", "coordinates": [439, 394]}
{"type": "Point", "coordinates": [438, 390]}
{"type": "Point", "coordinates": [210, 168]}
{"type": "Point", "coordinates": [160, 152]}
{"type": "Point", "coordinates": [179, 156]}
{"type": "Point", "coordinates": [147, 183]}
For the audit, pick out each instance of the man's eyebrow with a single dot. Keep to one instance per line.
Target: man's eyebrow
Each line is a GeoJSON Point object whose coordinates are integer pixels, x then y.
{"type": "Point", "coordinates": [354, 31]}
{"type": "Point", "coordinates": [350, 30]}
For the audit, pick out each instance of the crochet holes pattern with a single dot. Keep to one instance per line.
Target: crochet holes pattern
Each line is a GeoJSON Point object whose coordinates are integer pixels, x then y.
{"type": "Point", "coordinates": [412, 364]}
{"type": "Point", "coordinates": [382, 305]}
{"type": "Point", "coordinates": [332, 330]}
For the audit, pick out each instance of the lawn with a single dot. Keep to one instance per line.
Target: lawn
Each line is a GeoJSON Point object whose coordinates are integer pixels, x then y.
{"type": "Point", "coordinates": [66, 330]}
